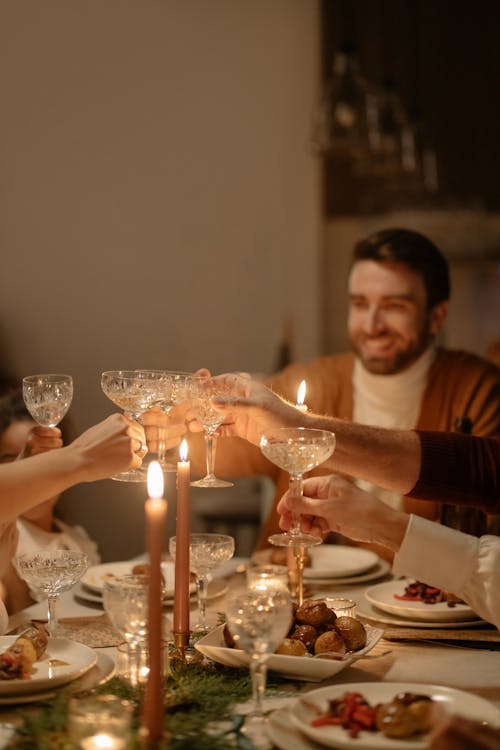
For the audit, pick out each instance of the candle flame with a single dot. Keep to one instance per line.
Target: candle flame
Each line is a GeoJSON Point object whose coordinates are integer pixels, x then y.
{"type": "Point", "coordinates": [183, 450]}
{"type": "Point", "coordinates": [301, 393]}
{"type": "Point", "coordinates": [155, 480]}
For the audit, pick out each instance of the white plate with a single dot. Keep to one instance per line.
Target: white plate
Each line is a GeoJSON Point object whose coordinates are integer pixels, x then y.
{"type": "Point", "coordinates": [365, 610]}
{"type": "Point", "coordinates": [296, 667]}
{"type": "Point", "coordinates": [382, 596]}
{"type": "Point", "coordinates": [339, 561]}
{"type": "Point", "coordinates": [216, 588]}
{"type": "Point", "coordinates": [75, 658]}
{"type": "Point", "coordinates": [101, 672]}
{"type": "Point", "coordinates": [453, 702]}
{"type": "Point", "coordinates": [327, 564]}
{"type": "Point", "coordinates": [284, 735]}
{"type": "Point", "coordinates": [379, 570]}
{"type": "Point", "coordinates": [95, 576]}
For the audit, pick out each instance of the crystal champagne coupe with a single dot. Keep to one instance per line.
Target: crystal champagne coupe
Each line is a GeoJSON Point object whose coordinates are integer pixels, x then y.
{"type": "Point", "coordinates": [134, 392]}
{"type": "Point", "coordinates": [206, 552]}
{"type": "Point", "coordinates": [171, 390]}
{"type": "Point", "coordinates": [48, 397]}
{"type": "Point", "coordinates": [258, 621]}
{"type": "Point", "coordinates": [52, 572]}
{"type": "Point", "coordinates": [201, 393]}
{"type": "Point", "coordinates": [297, 450]}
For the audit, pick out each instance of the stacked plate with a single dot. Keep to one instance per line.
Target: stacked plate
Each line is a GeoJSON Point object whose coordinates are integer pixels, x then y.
{"type": "Point", "coordinates": [91, 586]}
{"type": "Point", "coordinates": [381, 604]}
{"type": "Point", "coordinates": [63, 662]}
{"type": "Point", "coordinates": [338, 565]}
{"type": "Point", "coordinates": [290, 728]}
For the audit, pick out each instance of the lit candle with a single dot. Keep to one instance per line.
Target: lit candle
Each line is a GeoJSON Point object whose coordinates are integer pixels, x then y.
{"type": "Point", "coordinates": [301, 396]}
{"type": "Point", "coordinates": [181, 595]}
{"type": "Point", "coordinates": [156, 511]}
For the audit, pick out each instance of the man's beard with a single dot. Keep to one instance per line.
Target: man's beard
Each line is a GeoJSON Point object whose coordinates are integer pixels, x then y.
{"type": "Point", "coordinates": [397, 362]}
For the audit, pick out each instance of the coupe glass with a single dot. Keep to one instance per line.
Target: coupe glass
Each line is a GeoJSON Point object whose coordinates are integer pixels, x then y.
{"type": "Point", "coordinates": [52, 572]}
{"type": "Point", "coordinates": [134, 392]}
{"type": "Point", "coordinates": [171, 390]}
{"type": "Point", "coordinates": [206, 552]}
{"type": "Point", "coordinates": [48, 397]}
{"type": "Point", "coordinates": [258, 621]}
{"type": "Point", "coordinates": [201, 393]}
{"type": "Point", "coordinates": [297, 450]}
{"type": "Point", "coordinates": [125, 600]}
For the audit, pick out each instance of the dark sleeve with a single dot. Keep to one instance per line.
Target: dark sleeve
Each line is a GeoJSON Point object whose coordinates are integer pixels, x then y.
{"type": "Point", "coordinates": [459, 469]}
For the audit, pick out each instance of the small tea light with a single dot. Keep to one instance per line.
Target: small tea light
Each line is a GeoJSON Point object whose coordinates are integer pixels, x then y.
{"type": "Point", "coordinates": [100, 722]}
{"type": "Point", "coordinates": [267, 577]}
{"type": "Point", "coordinates": [301, 397]}
{"type": "Point", "coordinates": [103, 741]}
{"type": "Point", "coordinates": [342, 607]}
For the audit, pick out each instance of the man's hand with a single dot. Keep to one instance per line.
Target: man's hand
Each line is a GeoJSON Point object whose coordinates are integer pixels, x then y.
{"type": "Point", "coordinates": [251, 409]}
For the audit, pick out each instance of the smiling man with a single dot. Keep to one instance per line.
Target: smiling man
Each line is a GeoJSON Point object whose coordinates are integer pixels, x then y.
{"type": "Point", "coordinates": [396, 376]}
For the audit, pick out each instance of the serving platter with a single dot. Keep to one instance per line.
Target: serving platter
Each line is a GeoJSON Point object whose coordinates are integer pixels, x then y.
{"type": "Point", "coordinates": [296, 667]}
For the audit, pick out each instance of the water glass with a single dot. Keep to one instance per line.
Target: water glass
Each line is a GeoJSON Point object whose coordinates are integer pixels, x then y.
{"type": "Point", "coordinates": [267, 577]}
{"type": "Point", "coordinates": [341, 606]}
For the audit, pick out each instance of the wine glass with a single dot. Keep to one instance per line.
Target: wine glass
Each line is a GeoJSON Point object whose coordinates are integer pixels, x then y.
{"type": "Point", "coordinates": [134, 392]}
{"type": "Point", "coordinates": [48, 397]}
{"type": "Point", "coordinates": [52, 572]}
{"type": "Point", "coordinates": [297, 450]}
{"type": "Point", "coordinates": [171, 390]}
{"type": "Point", "coordinates": [206, 552]}
{"type": "Point", "coordinates": [125, 600]}
{"type": "Point", "coordinates": [201, 393]}
{"type": "Point", "coordinates": [258, 621]}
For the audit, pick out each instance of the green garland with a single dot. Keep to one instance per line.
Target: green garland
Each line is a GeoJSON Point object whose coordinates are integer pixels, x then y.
{"type": "Point", "coordinates": [195, 696]}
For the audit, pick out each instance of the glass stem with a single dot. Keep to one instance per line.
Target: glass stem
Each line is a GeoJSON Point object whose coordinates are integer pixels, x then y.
{"type": "Point", "coordinates": [210, 447]}
{"type": "Point", "coordinates": [258, 673]}
{"type": "Point", "coordinates": [201, 590]}
{"type": "Point", "coordinates": [295, 487]}
{"type": "Point", "coordinates": [52, 615]}
{"type": "Point", "coordinates": [162, 444]}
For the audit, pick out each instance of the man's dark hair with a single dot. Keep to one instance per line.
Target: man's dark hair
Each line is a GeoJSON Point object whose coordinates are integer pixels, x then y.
{"type": "Point", "coordinates": [12, 409]}
{"type": "Point", "coordinates": [415, 251]}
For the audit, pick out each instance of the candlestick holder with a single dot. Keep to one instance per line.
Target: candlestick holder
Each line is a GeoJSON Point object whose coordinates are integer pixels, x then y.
{"type": "Point", "coordinates": [184, 653]}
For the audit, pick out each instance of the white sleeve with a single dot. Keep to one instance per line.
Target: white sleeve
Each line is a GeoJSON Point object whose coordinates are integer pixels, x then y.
{"type": "Point", "coordinates": [450, 560]}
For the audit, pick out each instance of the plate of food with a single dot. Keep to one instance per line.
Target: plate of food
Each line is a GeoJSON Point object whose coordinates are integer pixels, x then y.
{"type": "Point", "coordinates": [31, 662]}
{"type": "Point", "coordinates": [311, 652]}
{"type": "Point", "coordinates": [383, 715]}
{"type": "Point", "coordinates": [366, 611]}
{"type": "Point", "coordinates": [398, 598]}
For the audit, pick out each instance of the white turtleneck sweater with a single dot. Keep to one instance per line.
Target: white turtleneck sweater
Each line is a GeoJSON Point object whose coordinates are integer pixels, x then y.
{"type": "Point", "coordinates": [391, 401]}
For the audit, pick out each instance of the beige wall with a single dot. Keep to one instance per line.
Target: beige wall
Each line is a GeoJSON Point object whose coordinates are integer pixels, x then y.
{"type": "Point", "coordinates": [158, 205]}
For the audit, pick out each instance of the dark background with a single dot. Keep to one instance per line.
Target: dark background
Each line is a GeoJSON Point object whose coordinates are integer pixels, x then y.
{"type": "Point", "coordinates": [444, 59]}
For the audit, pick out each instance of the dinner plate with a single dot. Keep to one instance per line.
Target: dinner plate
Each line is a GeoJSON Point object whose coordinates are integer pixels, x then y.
{"type": "Point", "coordinates": [102, 671]}
{"type": "Point", "coordinates": [283, 733]}
{"type": "Point", "coordinates": [451, 700]}
{"type": "Point", "coordinates": [338, 561]}
{"type": "Point", "coordinates": [95, 577]}
{"type": "Point", "coordinates": [296, 667]}
{"type": "Point", "coordinates": [328, 569]}
{"type": "Point", "coordinates": [382, 596]}
{"type": "Point", "coordinates": [367, 611]}
{"type": "Point", "coordinates": [379, 570]}
{"type": "Point", "coordinates": [62, 662]}
{"type": "Point", "coordinates": [216, 588]}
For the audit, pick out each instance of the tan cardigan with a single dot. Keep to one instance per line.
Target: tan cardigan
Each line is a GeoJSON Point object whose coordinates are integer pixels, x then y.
{"type": "Point", "coordinates": [459, 384]}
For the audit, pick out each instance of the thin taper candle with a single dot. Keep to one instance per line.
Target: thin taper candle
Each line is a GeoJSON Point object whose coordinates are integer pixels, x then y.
{"type": "Point", "coordinates": [156, 511]}
{"type": "Point", "coordinates": [182, 530]}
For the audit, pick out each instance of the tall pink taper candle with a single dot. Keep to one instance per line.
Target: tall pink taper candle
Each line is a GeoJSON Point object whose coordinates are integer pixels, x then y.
{"type": "Point", "coordinates": [181, 595]}
{"type": "Point", "coordinates": [156, 511]}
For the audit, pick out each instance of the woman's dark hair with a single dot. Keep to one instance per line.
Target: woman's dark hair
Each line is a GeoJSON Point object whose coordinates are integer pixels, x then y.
{"type": "Point", "coordinates": [415, 251]}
